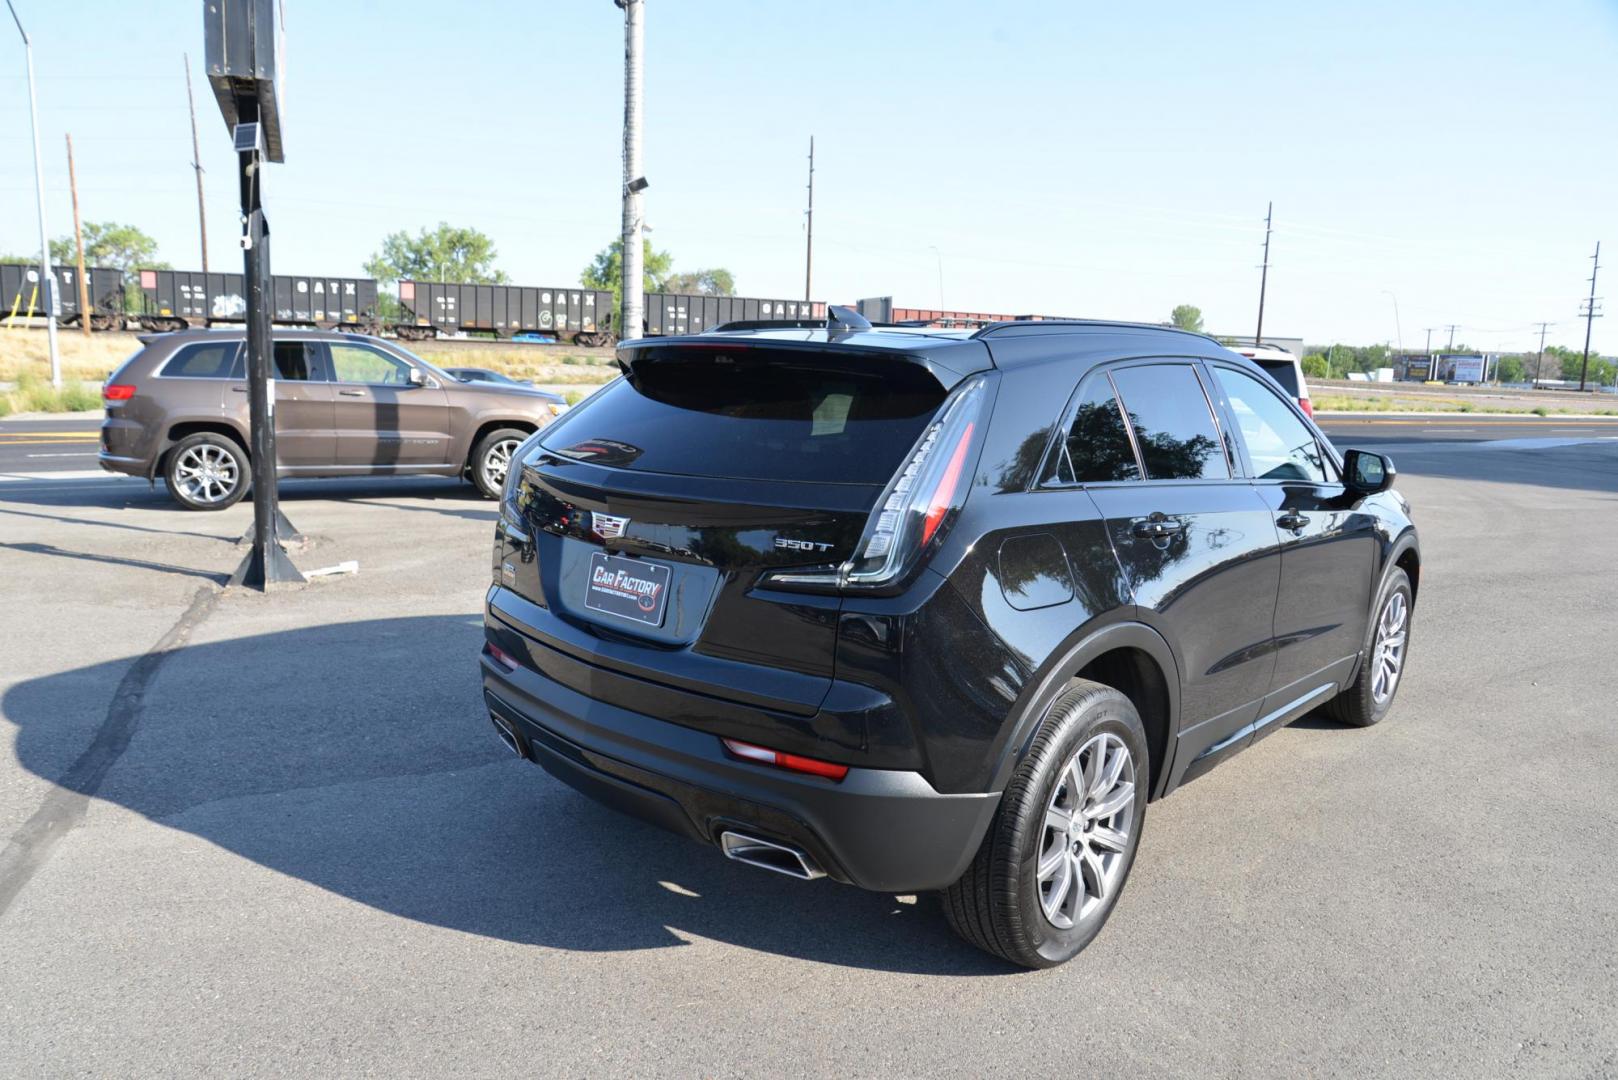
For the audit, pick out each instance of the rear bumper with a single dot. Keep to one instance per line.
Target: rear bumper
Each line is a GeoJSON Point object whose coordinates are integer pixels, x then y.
{"type": "Point", "coordinates": [881, 829]}
{"type": "Point", "coordinates": [130, 465]}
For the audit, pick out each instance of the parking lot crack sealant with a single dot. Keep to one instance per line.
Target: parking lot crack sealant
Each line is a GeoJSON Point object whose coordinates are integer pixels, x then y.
{"type": "Point", "coordinates": [64, 807]}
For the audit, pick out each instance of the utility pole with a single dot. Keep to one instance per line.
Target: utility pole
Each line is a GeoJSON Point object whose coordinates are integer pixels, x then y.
{"type": "Point", "coordinates": [78, 239]}
{"type": "Point", "coordinates": [1264, 275]}
{"type": "Point", "coordinates": [1429, 330]}
{"type": "Point", "coordinates": [1539, 363]}
{"type": "Point", "coordinates": [1590, 313]}
{"type": "Point", "coordinates": [47, 275]}
{"type": "Point", "coordinates": [1451, 327]}
{"type": "Point", "coordinates": [634, 182]}
{"type": "Point", "coordinates": [196, 163]}
{"type": "Point", "coordinates": [809, 248]}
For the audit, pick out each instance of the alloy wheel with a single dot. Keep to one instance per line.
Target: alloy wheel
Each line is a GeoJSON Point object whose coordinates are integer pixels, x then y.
{"type": "Point", "coordinates": [497, 462]}
{"type": "Point", "coordinates": [207, 474]}
{"type": "Point", "coordinates": [1388, 652]}
{"type": "Point", "coordinates": [1085, 838]}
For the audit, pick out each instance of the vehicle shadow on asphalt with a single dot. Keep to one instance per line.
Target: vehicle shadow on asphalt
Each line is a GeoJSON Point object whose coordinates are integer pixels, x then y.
{"type": "Point", "coordinates": [357, 757]}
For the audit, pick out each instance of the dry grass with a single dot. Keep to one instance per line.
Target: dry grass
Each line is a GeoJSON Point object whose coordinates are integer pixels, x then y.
{"type": "Point", "coordinates": [92, 359]}
{"type": "Point", "coordinates": [1341, 403]}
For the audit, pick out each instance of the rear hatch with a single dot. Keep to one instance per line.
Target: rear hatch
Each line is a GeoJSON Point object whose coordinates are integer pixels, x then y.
{"type": "Point", "coordinates": [654, 510]}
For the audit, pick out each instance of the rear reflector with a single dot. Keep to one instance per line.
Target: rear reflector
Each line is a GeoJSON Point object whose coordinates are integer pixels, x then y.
{"type": "Point", "coordinates": [117, 392]}
{"type": "Point", "coordinates": [501, 657]}
{"type": "Point", "coordinates": [765, 756]}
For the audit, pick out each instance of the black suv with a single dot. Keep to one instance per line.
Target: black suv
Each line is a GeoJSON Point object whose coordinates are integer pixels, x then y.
{"type": "Point", "coordinates": [936, 610]}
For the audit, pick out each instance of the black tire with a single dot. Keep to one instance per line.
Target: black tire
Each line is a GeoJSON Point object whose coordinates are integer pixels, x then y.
{"type": "Point", "coordinates": [1358, 706]}
{"type": "Point", "coordinates": [997, 903]}
{"type": "Point", "coordinates": [233, 463]}
{"type": "Point", "coordinates": [489, 482]}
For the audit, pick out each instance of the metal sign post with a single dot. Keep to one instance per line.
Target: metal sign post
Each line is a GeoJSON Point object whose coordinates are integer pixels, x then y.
{"type": "Point", "coordinates": [243, 44]}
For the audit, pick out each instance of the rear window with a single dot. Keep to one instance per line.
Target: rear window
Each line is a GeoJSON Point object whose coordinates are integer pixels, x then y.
{"type": "Point", "coordinates": [1284, 372]}
{"type": "Point", "coordinates": [755, 415]}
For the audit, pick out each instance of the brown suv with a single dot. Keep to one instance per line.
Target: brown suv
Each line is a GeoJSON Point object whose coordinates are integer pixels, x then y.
{"type": "Point", "coordinates": [345, 405]}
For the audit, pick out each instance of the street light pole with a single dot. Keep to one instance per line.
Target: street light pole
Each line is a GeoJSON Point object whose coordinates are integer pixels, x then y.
{"type": "Point", "coordinates": [1397, 325]}
{"type": "Point", "coordinates": [47, 274]}
{"type": "Point", "coordinates": [940, 257]}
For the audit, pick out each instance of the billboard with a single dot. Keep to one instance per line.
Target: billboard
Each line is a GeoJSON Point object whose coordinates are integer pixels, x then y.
{"type": "Point", "coordinates": [1414, 368]}
{"type": "Point", "coordinates": [1460, 369]}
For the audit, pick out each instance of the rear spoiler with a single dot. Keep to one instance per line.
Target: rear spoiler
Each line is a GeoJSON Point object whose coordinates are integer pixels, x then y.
{"type": "Point", "coordinates": [948, 361]}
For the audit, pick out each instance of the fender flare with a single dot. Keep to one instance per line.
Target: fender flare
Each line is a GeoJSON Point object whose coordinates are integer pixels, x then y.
{"type": "Point", "coordinates": [1068, 661]}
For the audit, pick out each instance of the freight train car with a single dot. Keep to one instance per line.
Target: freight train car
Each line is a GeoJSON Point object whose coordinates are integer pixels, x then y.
{"type": "Point", "coordinates": [880, 309]}
{"type": "Point", "coordinates": [676, 313]}
{"type": "Point", "coordinates": [579, 315]}
{"type": "Point", "coordinates": [20, 291]}
{"type": "Point", "coordinates": [176, 299]}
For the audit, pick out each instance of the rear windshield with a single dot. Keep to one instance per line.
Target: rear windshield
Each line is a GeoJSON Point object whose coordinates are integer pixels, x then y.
{"type": "Point", "coordinates": [1284, 372]}
{"type": "Point", "coordinates": [759, 415]}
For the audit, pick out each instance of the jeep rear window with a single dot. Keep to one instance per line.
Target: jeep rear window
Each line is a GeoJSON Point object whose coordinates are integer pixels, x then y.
{"type": "Point", "coordinates": [1283, 372]}
{"type": "Point", "coordinates": [756, 415]}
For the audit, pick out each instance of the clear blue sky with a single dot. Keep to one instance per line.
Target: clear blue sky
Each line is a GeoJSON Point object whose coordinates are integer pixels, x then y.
{"type": "Point", "coordinates": [1110, 160]}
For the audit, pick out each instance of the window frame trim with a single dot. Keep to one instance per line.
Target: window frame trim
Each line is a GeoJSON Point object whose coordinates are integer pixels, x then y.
{"type": "Point", "coordinates": [1324, 445]}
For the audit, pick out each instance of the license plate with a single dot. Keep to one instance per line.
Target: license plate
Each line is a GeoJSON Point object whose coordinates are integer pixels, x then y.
{"type": "Point", "coordinates": [629, 588]}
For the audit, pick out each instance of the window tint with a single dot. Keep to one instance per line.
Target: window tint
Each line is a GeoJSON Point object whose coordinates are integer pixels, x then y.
{"type": "Point", "coordinates": [294, 362]}
{"type": "Point", "coordinates": [1283, 372]}
{"type": "Point", "coordinates": [1173, 426]}
{"type": "Point", "coordinates": [754, 414]}
{"type": "Point", "coordinates": [358, 364]}
{"type": "Point", "coordinates": [211, 360]}
{"type": "Point", "coordinates": [1096, 448]}
{"type": "Point", "coordinates": [1280, 446]}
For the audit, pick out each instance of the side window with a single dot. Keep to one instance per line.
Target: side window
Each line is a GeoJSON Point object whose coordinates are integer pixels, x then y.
{"type": "Point", "coordinates": [1174, 426]}
{"type": "Point", "coordinates": [1096, 448]}
{"type": "Point", "coordinates": [1280, 446]}
{"type": "Point", "coordinates": [358, 364]}
{"type": "Point", "coordinates": [210, 360]}
{"type": "Point", "coordinates": [295, 362]}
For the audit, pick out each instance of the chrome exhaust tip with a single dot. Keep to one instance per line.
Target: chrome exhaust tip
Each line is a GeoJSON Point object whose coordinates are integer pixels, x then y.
{"type": "Point", "coordinates": [768, 855]}
{"type": "Point", "coordinates": [507, 735]}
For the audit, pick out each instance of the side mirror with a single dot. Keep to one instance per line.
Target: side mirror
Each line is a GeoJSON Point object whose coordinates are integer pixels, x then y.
{"type": "Point", "coordinates": [416, 378]}
{"type": "Point", "coordinates": [1367, 472]}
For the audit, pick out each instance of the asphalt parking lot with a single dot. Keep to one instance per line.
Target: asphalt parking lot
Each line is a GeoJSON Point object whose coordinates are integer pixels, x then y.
{"type": "Point", "coordinates": [276, 836]}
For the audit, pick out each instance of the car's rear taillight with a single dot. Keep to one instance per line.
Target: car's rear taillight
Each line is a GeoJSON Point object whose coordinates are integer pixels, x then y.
{"type": "Point", "coordinates": [117, 392]}
{"type": "Point", "coordinates": [914, 507]}
{"type": "Point", "coordinates": [791, 762]}
{"type": "Point", "coordinates": [1308, 409]}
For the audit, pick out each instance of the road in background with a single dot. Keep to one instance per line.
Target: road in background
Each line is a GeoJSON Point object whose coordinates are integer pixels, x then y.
{"type": "Point", "coordinates": [1350, 430]}
{"type": "Point", "coordinates": [62, 444]}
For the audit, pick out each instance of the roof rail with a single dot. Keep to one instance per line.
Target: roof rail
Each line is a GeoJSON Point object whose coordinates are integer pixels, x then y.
{"type": "Point", "coordinates": [767, 324]}
{"type": "Point", "coordinates": [1037, 325]}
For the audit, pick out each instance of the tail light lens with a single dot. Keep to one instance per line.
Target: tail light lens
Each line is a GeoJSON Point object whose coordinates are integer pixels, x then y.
{"type": "Point", "coordinates": [791, 762]}
{"type": "Point", "coordinates": [915, 505]}
{"type": "Point", "coordinates": [117, 392]}
{"type": "Point", "coordinates": [1308, 409]}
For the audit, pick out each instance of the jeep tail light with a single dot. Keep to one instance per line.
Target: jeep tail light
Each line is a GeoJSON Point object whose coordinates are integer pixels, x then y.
{"type": "Point", "coordinates": [117, 391]}
{"type": "Point", "coordinates": [1308, 409]}
{"type": "Point", "coordinates": [915, 505]}
{"type": "Point", "coordinates": [791, 762]}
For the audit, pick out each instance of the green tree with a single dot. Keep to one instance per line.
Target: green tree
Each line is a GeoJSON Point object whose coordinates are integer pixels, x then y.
{"type": "Point", "coordinates": [1511, 369]}
{"type": "Point", "coordinates": [606, 271]}
{"type": "Point", "coordinates": [107, 243]}
{"type": "Point", "coordinates": [715, 282]}
{"type": "Point", "coordinates": [1187, 317]}
{"type": "Point", "coordinates": [444, 253]}
{"type": "Point", "coordinates": [1315, 366]}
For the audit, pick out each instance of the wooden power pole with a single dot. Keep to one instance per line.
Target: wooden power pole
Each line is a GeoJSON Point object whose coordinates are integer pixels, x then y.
{"type": "Point", "coordinates": [78, 238]}
{"type": "Point", "coordinates": [1591, 313]}
{"type": "Point", "coordinates": [1264, 275]}
{"type": "Point", "coordinates": [196, 163]}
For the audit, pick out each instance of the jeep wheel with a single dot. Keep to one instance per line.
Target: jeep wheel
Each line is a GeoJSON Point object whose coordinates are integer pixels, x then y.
{"type": "Point", "coordinates": [492, 459]}
{"type": "Point", "coordinates": [207, 472]}
{"type": "Point", "coordinates": [1059, 850]}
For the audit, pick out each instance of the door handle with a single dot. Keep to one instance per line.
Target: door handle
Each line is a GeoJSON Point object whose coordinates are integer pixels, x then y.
{"type": "Point", "coordinates": [1157, 527]}
{"type": "Point", "coordinates": [238, 389]}
{"type": "Point", "coordinates": [352, 393]}
{"type": "Point", "coordinates": [1292, 520]}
